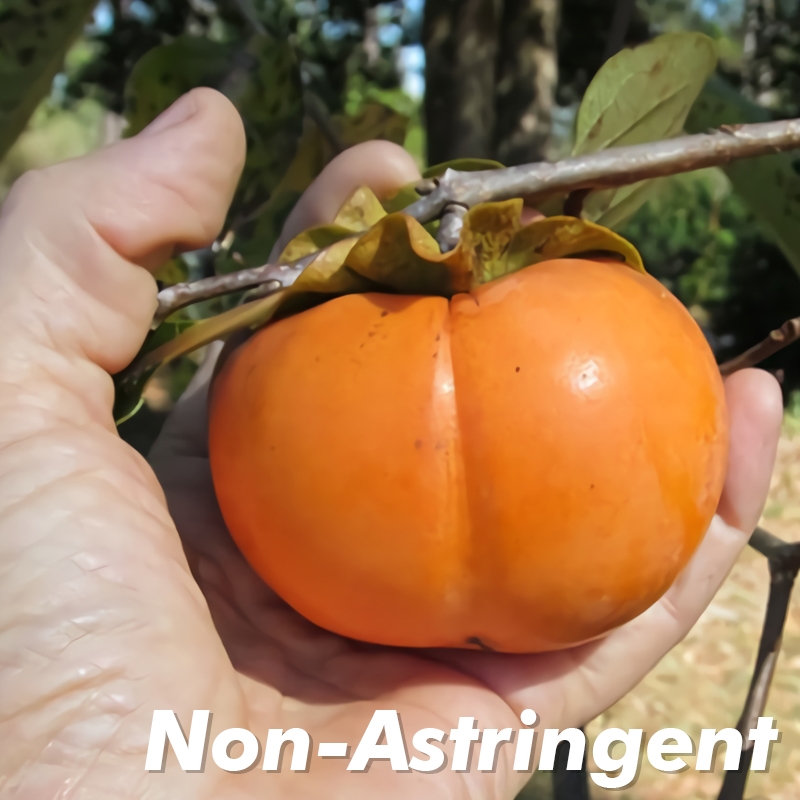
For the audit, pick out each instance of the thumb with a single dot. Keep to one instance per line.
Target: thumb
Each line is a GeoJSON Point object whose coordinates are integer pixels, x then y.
{"type": "Point", "coordinates": [75, 236]}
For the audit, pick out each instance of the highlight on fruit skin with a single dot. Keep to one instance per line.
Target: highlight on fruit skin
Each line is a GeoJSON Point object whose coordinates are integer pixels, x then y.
{"type": "Point", "coordinates": [520, 468]}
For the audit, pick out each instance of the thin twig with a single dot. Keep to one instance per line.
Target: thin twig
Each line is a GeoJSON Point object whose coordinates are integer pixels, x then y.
{"type": "Point", "coordinates": [535, 182]}
{"type": "Point", "coordinates": [784, 564]}
{"type": "Point", "coordinates": [318, 113]}
{"type": "Point", "coordinates": [184, 294]}
{"type": "Point", "coordinates": [778, 339]}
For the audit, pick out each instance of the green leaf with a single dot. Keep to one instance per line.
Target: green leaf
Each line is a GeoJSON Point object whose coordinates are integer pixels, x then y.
{"type": "Point", "coordinates": [174, 271]}
{"type": "Point", "coordinates": [34, 38]}
{"type": "Point", "coordinates": [128, 390]}
{"type": "Point", "coordinates": [644, 94]}
{"type": "Point", "coordinates": [769, 185]}
{"type": "Point", "coordinates": [640, 95]}
{"type": "Point", "coordinates": [612, 209]}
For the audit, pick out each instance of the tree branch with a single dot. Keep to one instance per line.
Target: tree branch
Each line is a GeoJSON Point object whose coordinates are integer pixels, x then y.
{"type": "Point", "coordinates": [185, 294]}
{"type": "Point", "coordinates": [778, 339]}
{"type": "Point", "coordinates": [619, 166]}
{"type": "Point", "coordinates": [615, 167]}
{"type": "Point", "coordinates": [784, 564]}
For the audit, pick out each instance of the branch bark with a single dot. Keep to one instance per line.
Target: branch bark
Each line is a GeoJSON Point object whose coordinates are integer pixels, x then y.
{"type": "Point", "coordinates": [784, 564]}
{"type": "Point", "coordinates": [610, 168]}
{"type": "Point", "coordinates": [534, 182]}
{"type": "Point", "coordinates": [788, 333]}
{"type": "Point", "coordinates": [181, 295]}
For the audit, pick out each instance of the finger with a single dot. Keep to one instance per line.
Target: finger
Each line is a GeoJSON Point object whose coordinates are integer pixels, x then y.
{"type": "Point", "coordinates": [755, 409]}
{"type": "Point", "coordinates": [530, 215]}
{"type": "Point", "coordinates": [73, 235]}
{"type": "Point", "coordinates": [97, 602]}
{"type": "Point", "coordinates": [623, 658]}
{"type": "Point", "coordinates": [383, 166]}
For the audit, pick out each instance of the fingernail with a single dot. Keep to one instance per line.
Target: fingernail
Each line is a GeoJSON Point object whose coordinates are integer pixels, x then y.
{"type": "Point", "coordinates": [181, 110]}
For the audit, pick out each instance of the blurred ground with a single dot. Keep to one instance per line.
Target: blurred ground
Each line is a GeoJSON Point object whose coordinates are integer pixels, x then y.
{"type": "Point", "coordinates": [703, 682]}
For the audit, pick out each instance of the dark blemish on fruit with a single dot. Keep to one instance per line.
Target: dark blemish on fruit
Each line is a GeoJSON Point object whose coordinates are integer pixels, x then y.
{"type": "Point", "coordinates": [436, 354]}
{"type": "Point", "coordinates": [438, 336]}
{"type": "Point", "coordinates": [517, 369]}
{"type": "Point", "coordinates": [384, 313]}
{"type": "Point", "coordinates": [474, 640]}
{"type": "Point", "coordinates": [592, 486]}
{"type": "Point", "coordinates": [370, 334]}
{"type": "Point", "coordinates": [418, 443]}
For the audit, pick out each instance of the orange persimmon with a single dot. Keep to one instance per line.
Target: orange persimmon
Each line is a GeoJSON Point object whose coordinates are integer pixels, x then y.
{"type": "Point", "coordinates": [520, 468]}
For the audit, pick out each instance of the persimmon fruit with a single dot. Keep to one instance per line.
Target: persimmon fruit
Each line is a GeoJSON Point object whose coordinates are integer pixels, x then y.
{"type": "Point", "coordinates": [520, 468]}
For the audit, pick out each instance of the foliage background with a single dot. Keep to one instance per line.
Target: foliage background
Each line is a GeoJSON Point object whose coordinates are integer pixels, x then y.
{"type": "Point", "coordinates": [446, 78]}
{"type": "Point", "coordinates": [504, 81]}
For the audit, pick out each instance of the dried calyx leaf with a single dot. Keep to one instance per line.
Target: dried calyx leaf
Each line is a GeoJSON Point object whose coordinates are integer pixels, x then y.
{"type": "Point", "coordinates": [367, 249]}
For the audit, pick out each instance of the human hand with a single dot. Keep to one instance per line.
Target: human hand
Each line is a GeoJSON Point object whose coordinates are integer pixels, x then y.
{"type": "Point", "coordinates": [106, 619]}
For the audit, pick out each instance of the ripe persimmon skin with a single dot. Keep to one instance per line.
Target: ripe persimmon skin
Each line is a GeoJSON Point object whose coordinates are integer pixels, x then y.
{"type": "Point", "coordinates": [521, 468]}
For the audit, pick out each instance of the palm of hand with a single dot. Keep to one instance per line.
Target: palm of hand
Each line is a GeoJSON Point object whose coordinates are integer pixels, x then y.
{"type": "Point", "coordinates": [337, 682]}
{"type": "Point", "coordinates": [104, 621]}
